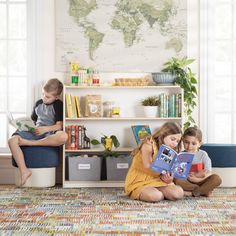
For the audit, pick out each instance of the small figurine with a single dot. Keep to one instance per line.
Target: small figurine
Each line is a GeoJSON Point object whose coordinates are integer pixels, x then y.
{"type": "Point", "coordinates": [86, 140]}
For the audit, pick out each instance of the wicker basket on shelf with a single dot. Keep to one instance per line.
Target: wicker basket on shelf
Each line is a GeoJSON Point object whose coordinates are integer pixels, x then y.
{"type": "Point", "coordinates": [132, 81]}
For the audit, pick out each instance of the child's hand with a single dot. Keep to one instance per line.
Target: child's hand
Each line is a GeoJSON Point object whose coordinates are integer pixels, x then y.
{"type": "Point", "coordinates": [167, 178]}
{"type": "Point", "coordinates": [41, 130]}
{"type": "Point", "coordinates": [194, 179]}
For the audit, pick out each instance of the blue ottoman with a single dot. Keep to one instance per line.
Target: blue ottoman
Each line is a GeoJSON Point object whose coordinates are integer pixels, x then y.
{"type": "Point", "coordinates": [42, 161]}
{"type": "Point", "coordinates": [223, 157]}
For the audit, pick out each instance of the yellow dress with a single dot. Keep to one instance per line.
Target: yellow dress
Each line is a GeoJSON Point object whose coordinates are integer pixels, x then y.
{"type": "Point", "coordinates": [139, 178]}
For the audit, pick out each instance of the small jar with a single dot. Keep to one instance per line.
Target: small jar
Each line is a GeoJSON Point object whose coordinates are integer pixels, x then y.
{"type": "Point", "coordinates": [115, 112]}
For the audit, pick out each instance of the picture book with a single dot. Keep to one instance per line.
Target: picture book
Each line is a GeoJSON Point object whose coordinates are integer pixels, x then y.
{"type": "Point", "coordinates": [168, 160]}
{"type": "Point", "coordinates": [21, 123]}
{"type": "Point", "coordinates": [140, 132]}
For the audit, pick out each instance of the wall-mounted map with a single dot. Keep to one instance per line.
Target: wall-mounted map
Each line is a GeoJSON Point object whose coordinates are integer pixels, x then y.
{"type": "Point", "coordinates": [120, 35]}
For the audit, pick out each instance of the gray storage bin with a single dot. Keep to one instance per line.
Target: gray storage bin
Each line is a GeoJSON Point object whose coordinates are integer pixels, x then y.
{"type": "Point", "coordinates": [117, 167]}
{"type": "Point", "coordinates": [84, 168]}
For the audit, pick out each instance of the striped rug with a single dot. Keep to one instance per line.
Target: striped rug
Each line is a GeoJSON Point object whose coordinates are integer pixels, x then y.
{"type": "Point", "coordinates": [107, 211]}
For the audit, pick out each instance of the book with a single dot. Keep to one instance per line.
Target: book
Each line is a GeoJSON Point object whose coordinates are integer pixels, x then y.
{"type": "Point", "coordinates": [21, 123]}
{"type": "Point", "coordinates": [168, 160]}
{"type": "Point", "coordinates": [140, 132]}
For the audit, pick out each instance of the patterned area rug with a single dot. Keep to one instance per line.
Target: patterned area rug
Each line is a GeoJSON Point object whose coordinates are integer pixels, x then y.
{"type": "Point", "coordinates": [107, 211]}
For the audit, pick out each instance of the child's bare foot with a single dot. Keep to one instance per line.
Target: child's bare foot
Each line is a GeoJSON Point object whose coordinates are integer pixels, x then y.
{"type": "Point", "coordinates": [24, 142]}
{"type": "Point", "coordinates": [188, 194]}
{"type": "Point", "coordinates": [209, 194]}
{"type": "Point", "coordinates": [25, 176]}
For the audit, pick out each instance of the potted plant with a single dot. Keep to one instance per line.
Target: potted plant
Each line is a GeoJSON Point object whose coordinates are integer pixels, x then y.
{"type": "Point", "coordinates": [186, 79]}
{"type": "Point", "coordinates": [116, 168]}
{"type": "Point", "coordinates": [150, 105]}
{"type": "Point", "coordinates": [108, 142]}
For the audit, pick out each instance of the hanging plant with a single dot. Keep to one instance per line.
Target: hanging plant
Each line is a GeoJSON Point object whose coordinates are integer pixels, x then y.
{"type": "Point", "coordinates": [186, 79]}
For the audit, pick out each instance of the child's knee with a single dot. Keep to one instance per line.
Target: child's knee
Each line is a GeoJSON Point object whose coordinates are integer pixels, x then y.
{"type": "Point", "coordinates": [157, 196]}
{"type": "Point", "coordinates": [63, 137]}
{"type": "Point", "coordinates": [176, 194]}
{"type": "Point", "coordinates": [152, 196]}
{"type": "Point", "coordinates": [13, 140]}
{"type": "Point", "coordinates": [215, 180]}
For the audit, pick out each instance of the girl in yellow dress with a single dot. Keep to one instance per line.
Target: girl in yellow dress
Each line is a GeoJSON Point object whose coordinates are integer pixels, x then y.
{"type": "Point", "coordinates": [141, 182]}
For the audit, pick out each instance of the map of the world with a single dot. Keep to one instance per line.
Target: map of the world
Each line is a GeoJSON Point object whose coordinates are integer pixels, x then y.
{"type": "Point", "coordinates": [120, 35]}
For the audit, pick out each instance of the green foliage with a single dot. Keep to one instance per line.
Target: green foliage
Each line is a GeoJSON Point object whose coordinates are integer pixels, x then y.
{"type": "Point", "coordinates": [107, 152]}
{"type": "Point", "coordinates": [151, 101]}
{"type": "Point", "coordinates": [186, 79]}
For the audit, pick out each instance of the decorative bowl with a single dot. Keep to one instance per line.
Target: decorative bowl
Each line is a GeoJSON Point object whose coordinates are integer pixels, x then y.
{"type": "Point", "coordinates": [163, 77]}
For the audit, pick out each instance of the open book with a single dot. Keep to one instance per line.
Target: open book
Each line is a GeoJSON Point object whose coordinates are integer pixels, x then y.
{"type": "Point", "coordinates": [168, 160]}
{"type": "Point", "coordinates": [21, 123]}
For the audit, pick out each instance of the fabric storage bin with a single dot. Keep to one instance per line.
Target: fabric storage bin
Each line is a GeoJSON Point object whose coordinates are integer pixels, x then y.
{"type": "Point", "coordinates": [117, 167]}
{"type": "Point", "coordinates": [84, 168]}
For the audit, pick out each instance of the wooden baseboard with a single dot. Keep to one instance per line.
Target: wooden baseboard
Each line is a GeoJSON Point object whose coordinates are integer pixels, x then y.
{"type": "Point", "coordinates": [7, 175]}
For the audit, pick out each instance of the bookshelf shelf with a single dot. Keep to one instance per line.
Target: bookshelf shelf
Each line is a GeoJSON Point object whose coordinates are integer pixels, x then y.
{"type": "Point", "coordinates": [122, 87]}
{"type": "Point", "coordinates": [121, 118]}
{"type": "Point", "coordinates": [97, 151]}
{"type": "Point", "coordinates": [129, 100]}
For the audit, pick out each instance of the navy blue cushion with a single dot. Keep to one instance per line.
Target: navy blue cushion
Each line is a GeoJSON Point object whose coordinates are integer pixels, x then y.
{"type": "Point", "coordinates": [40, 157]}
{"type": "Point", "coordinates": [222, 155]}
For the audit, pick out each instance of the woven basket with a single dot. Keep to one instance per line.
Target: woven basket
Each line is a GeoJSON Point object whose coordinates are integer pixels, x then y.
{"type": "Point", "coordinates": [131, 82]}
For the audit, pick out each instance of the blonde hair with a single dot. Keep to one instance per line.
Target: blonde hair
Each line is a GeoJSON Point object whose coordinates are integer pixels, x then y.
{"type": "Point", "coordinates": [53, 86]}
{"type": "Point", "coordinates": [166, 129]}
{"type": "Point", "coordinates": [194, 132]}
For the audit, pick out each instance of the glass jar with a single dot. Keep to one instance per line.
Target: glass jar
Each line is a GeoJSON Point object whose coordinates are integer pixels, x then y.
{"type": "Point", "coordinates": [107, 108]}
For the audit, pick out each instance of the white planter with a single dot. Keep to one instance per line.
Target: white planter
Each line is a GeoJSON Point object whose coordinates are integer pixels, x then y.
{"type": "Point", "coordinates": [150, 111]}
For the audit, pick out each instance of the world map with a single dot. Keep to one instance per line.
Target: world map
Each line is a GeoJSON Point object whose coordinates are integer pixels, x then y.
{"type": "Point", "coordinates": [120, 35]}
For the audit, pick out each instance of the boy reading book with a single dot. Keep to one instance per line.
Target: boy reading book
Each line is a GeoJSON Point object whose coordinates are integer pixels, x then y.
{"type": "Point", "coordinates": [48, 116]}
{"type": "Point", "coordinates": [168, 160]}
{"type": "Point", "coordinates": [200, 181]}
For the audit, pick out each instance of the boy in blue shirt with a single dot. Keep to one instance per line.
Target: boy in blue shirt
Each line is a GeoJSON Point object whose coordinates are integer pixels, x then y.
{"type": "Point", "coordinates": [48, 117]}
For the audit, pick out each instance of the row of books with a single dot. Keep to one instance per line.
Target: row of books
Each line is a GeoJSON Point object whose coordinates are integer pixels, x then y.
{"type": "Point", "coordinates": [171, 105]}
{"type": "Point", "coordinates": [72, 106]}
{"type": "Point", "coordinates": [77, 138]}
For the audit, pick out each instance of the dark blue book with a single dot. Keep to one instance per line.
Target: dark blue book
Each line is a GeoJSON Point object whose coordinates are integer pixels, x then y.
{"type": "Point", "coordinates": [168, 160]}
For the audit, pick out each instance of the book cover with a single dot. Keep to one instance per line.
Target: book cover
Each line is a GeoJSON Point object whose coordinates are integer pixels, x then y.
{"type": "Point", "coordinates": [140, 132]}
{"type": "Point", "coordinates": [21, 123]}
{"type": "Point", "coordinates": [168, 160]}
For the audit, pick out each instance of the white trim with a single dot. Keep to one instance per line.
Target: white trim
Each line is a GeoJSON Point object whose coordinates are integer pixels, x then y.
{"type": "Point", "coordinates": [193, 44]}
{"type": "Point", "coordinates": [33, 70]}
{"type": "Point", "coordinates": [203, 82]}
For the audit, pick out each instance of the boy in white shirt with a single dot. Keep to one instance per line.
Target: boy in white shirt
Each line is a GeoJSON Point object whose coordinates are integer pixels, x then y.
{"type": "Point", "coordinates": [200, 181]}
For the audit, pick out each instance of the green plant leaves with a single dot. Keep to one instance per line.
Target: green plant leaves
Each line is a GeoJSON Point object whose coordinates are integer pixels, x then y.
{"type": "Point", "coordinates": [95, 142]}
{"type": "Point", "coordinates": [115, 141]}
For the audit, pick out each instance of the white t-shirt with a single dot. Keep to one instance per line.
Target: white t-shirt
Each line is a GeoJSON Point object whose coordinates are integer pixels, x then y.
{"type": "Point", "coordinates": [201, 161]}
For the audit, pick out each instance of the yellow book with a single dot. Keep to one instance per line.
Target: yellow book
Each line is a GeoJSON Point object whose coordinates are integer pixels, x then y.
{"type": "Point", "coordinates": [77, 106]}
{"type": "Point", "coordinates": [69, 109]}
{"type": "Point", "coordinates": [74, 115]}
